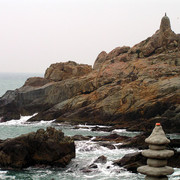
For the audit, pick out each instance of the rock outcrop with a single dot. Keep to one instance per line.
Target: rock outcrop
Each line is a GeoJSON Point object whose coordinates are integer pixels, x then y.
{"type": "Point", "coordinates": [62, 71]}
{"type": "Point", "coordinates": [129, 87]}
{"type": "Point", "coordinates": [49, 148]}
{"type": "Point", "coordinates": [103, 56]}
{"type": "Point", "coordinates": [162, 40]}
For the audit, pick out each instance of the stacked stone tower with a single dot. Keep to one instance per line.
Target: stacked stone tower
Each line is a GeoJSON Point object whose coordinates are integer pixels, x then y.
{"type": "Point", "coordinates": [156, 168]}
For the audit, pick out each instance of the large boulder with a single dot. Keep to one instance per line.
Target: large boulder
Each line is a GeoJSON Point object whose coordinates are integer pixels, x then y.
{"type": "Point", "coordinates": [36, 82]}
{"type": "Point", "coordinates": [45, 147]}
{"type": "Point", "coordinates": [62, 71]}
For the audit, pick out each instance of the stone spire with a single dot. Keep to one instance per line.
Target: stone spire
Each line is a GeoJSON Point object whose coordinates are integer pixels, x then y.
{"type": "Point", "coordinates": [165, 23]}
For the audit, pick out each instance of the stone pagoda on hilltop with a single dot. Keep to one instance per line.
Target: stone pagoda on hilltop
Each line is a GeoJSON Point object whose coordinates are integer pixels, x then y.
{"type": "Point", "coordinates": [165, 24]}
{"type": "Point", "coordinates": [164, 40]}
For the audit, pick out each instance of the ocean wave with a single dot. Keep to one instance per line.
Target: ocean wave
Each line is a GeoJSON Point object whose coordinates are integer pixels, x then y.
{"type": "Point", "coordinates": [21, 121]}
{"type": "Point", "coordinates": [24, 121]}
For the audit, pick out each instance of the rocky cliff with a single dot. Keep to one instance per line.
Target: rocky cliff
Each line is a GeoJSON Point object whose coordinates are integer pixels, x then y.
{"type": "Point", "coordinates": [127, 87]}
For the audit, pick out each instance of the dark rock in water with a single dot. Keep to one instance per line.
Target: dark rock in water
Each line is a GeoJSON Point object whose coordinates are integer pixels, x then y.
{"type": "Point", "coordinates": [135, 142]}
{"type": "Point", "coordinates": [131, 161]}
{"type": "Point", "coordinates": [139, 142]}
{"type": "Point", "coordinates": [86, 170]}
{"type": "Point", "coordinates": [174, 143]}
{"type": "Point", "coordinates": [106, 129]}
{"type": "Point", "coordinates": [45, 147]}
{"type": "Point", "coordinates": [112, 137]}
{"type": "Point", "coordinates": [101, 159]}
{"type": "Point", "coordinates": [134, 160]}
{"type": "Point", "coordinates": [174, 161]}
{"type": "Point", "coordinates": [94, 166]}
{"type": "Point", "coordinates": [108, 145]}
{"type": "Point", "coordinates": [80, 137]}
{"type": "Point", "coordinates": [131, 88]}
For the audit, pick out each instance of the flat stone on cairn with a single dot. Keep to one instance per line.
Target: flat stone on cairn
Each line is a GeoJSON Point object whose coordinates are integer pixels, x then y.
{"type": "Point", "coordinates": [157, 155]}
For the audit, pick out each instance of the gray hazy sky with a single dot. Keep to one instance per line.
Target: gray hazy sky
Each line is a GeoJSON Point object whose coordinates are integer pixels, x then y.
{"type": "Point", "coordinates": [37, 33]}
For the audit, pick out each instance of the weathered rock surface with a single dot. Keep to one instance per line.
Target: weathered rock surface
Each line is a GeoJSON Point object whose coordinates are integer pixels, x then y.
{"type": "Point", "coordinates": [36, 82]}
{"type": "Point", "coordinates": [62, 71]}
{"type": "Point", "coordinates": [131, 88]}
{"type": "Point", "coordinates": [48, 147]}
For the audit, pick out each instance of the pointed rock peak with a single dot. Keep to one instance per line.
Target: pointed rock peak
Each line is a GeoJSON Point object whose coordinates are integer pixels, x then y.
{"type": "Point", "coordinates": [165, 23]}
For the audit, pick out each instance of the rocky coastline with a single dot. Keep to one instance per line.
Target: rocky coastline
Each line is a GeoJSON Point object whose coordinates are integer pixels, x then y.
{"type": "Point", "coordinates": [130, 88]}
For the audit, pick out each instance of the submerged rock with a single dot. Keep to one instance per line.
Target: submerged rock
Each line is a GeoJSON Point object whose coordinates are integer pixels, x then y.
{"type": "Point", "coordinates": [101, 159]}
{"type": "Point", "coordinates": [45, 147]}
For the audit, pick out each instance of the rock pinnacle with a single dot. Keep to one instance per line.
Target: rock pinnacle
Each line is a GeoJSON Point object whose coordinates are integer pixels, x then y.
{"type": "Point", "coordinates": [165, 23]}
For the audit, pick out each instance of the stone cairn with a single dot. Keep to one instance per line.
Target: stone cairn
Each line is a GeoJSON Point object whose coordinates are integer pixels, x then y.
{"type": "Point", "coordinates": [156, 168]}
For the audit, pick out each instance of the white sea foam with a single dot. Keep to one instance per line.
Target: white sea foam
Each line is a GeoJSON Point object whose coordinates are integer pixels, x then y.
{"type": "Point", "coordinates": [84, 129]}
{"type": "Point", "coordinates": [24, 121]}
{"type": "Point", "coordinates": [42, 123]}
{"type": "Point", "coordinates": [21, 121]}
{"type": "Point", "coordinates": [92, 126]}
{"type": "Point", "coordinates": [175, 175]}
{"type": "Point", "coordinates": [93, 149]}
{"type": "Point", "coordinates": [3, 175]}
{"type": "Point", "coordinates": [119, 130]}
{"type": "Point", "coordinates": [124, 132]}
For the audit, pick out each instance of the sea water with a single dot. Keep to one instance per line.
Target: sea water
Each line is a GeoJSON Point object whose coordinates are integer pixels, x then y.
{"type": "Point", "coordinates": [11, 81]}
{"type": "Point", "coordinates": [86, 151]}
